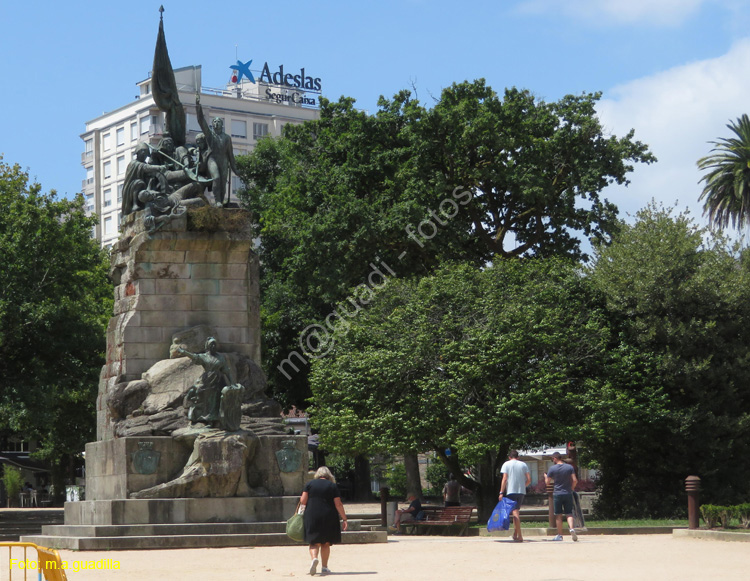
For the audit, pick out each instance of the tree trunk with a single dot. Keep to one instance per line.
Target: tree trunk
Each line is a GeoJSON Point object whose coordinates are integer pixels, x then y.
{"type": "Point", "coordinates": [57, 477]}
{"type": "Point", "coordinates": [413, 480]}
{"type": "Point", "coordinates": [489, 487]}
{"type": "Point", "coordinates": [362, 491]}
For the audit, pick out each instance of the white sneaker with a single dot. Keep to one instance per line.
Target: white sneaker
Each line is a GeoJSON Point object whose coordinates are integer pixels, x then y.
{"type": "Point", "coordinates": [573, 534]}
{"type": "Point", "coordinates": [325, 571]}
{"type": "Point", "coordinates": [314, 566]}
{"type": "Point", "coordinates": [558, 538]}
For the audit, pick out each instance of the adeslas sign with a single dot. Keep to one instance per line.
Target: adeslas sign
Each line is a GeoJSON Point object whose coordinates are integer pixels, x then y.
{"type": "Point", "coordinates": [298, 83]}
{"type": "Point", "coordinates": [289, 80]}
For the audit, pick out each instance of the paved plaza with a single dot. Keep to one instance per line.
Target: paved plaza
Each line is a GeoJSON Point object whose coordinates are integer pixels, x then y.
{"type": "Point", "coordinates": [600, 558]}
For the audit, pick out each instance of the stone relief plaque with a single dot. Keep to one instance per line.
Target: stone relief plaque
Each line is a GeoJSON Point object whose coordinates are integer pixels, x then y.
{"type": "Point", "coordinates": [145, 459]}
{"type": "Point", "coordinates": [289, 457]}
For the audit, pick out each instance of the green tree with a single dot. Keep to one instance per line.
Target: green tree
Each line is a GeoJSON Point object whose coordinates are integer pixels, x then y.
{"type": "Point", "coordinates": [680, 297]}
{"type": "Point", "coordinates": [727, 181]}
{"type": "Point", "coordinates": [54, 307]}
{"type": "Point", "coordinates": [475, 361]}
{"type": "Point", "coordinates": [473, 177]}
{"type": "Point", "coordinates": [12, 482]}
{"type": "Point", "coordinates": [536, 169]}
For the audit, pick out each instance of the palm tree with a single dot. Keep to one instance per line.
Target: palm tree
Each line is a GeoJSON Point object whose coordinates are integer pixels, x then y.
{"type": "Point", "coordinates": [727, 189]}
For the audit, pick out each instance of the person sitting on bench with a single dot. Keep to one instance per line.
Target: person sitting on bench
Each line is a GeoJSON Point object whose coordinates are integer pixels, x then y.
{"type": "Point", "coordinates": [414, 512]}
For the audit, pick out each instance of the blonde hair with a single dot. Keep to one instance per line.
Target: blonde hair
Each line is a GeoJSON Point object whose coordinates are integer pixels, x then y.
{"type": "Point", "coordinates": [324, 472]}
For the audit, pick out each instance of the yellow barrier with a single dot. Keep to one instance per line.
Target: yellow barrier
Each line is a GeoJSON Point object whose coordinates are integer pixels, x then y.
{"type": "Point", "coordinates": [47, 563]}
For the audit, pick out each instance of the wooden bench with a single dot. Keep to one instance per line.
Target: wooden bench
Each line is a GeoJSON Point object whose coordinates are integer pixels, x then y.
{"type": "Point", "coordinates": [443, 520]}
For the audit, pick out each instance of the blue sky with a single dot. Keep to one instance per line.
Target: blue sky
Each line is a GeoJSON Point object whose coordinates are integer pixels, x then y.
{"type": "Point", "coordinates": [676, 71]}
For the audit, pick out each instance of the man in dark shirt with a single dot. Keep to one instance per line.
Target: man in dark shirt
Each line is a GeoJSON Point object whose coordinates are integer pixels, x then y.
{"type": "Point", "coordinates": [414, 512]}
{"type": "Point", "coordinates": [565, 479]}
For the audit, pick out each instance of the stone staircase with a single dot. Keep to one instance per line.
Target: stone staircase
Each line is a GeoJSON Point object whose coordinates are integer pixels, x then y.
{"type": "Point", "coordinates": [183, 536]}
{"type": "Point", "coordinates": [369, 521]}
{"type": "Point", "coordinates": [26, 521]}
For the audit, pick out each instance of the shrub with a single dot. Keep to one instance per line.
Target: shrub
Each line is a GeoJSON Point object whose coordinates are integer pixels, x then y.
{"type": "Point", "coordinates": [12, 481]}
{"type": "Point", "coordinates": [437, 476]}
{"type": "Point", "coordinates": [397, 480]}
{"type": "Point", "coordinates": [715, 516]}
{"type": "Point", "coordinates": [742, 511]}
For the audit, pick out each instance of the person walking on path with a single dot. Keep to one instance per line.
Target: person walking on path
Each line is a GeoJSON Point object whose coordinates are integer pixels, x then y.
{"type": "Point", "coordinates": [566, 481]}
{"type": "Point", "coordinates": [323, 507]}
{"type": "Point", "coordinates": [516, 477]}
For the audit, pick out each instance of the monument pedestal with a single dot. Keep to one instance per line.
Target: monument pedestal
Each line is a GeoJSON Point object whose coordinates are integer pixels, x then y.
{"type": "Point", "coordinates": [154, 479]}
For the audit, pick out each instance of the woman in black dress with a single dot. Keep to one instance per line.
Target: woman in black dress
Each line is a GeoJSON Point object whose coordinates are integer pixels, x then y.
{"type": "Point", "coordinates": [323, 507]}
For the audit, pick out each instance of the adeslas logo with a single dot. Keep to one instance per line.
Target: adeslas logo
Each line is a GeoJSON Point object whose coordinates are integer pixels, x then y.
{"type": "Point", "coordinates": [296, 81]}
{"type": "Point", "coordinates": [279, 77]}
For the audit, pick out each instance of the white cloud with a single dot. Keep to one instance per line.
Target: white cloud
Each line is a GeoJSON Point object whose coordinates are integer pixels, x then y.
{"type": "Point", "coordinates": [677, 112]}
{"type": "Point", "coordinates": [654, 12]}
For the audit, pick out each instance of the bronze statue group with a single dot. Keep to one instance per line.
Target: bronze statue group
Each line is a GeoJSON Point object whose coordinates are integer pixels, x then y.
{"type": "Point", "coordinates": [161, 177]}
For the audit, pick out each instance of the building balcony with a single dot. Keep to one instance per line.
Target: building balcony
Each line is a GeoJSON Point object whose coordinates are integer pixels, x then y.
{"type": "Point", "coordinates": [87, 158]}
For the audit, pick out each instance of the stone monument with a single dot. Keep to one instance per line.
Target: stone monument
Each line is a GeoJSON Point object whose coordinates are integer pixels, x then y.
{"type": "Point", "coordinates": [190, 450]}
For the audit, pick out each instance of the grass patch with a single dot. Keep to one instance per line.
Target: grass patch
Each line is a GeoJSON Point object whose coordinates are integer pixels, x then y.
{"type": "Point", "coordinates": [637, 523]}
{"type": "Point", "coordinates": [631, 523]}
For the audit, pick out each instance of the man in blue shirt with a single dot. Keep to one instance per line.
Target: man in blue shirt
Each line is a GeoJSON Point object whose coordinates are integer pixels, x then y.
{"type": "Point", "coordinates": [565, 479]}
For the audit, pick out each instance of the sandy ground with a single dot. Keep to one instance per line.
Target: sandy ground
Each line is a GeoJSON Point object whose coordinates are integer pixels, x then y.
{"type": "Point", "coordinates": [600, 558]}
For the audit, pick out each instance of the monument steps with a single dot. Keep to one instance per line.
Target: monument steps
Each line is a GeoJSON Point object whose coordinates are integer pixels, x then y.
{"type": "Point", "coordinates": [180, 536]}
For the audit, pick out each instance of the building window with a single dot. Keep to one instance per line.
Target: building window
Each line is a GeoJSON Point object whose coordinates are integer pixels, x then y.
{"type": "Point", "coordinates": [89, 176]}
{"type": "Point", "coordinates": [107, 197]}
{"type": "Point", "coordinates": [107, 169]}
{"type": "Point", "coordinates": [120, 136]}
{"type": "Point", "coordinates": [120, 165]}
{"type": "Point", "coordinates": [107, 141]}
{"type": "Point", "coordinates": [145, 124]}
{"type": "Point", "coordinates": [133, 131]}
{"type": "Point", "coordinates": [89, 148]}
{"type": "Point", "coordinates": [108, 226]}
{"type": "Point", "coordinates": [259, 130]}
{"type": "Point", "coordinates": [119, 192]}
{"type": "Point", "coordinates": [236, 184]}
{"type": "Point", "coordinates": [239, 129]}
{"type": "Point", "coordinates": [192, 123]}
{"type": "Point", "coordinates": [15, 446]}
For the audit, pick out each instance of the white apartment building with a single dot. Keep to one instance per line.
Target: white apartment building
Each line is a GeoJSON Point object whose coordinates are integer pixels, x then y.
{"type": "Point", "coordinates": [250, 111]}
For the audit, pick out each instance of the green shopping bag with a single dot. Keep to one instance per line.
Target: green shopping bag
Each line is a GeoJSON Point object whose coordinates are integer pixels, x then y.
{"type": "Point", "coordinates": [295, 526]}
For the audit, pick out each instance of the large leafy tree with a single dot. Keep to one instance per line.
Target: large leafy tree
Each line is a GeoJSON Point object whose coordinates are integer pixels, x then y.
{"type": "Point", "coordinates": [472, 361]}
{"type": "Point", "coordinates": [474, 177]}
{"type": "Point", "coordinates": [681, 295]}
{"type": "Point", "coordinates": [536, 169]}
{"type": "Point", "coordinates": [54, 305]}
{"type": "Point", "coordinates": [727, 180]}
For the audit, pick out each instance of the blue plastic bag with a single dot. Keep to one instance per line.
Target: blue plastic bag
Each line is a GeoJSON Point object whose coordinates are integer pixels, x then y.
{"type": "Point", "coordinates": [500, 518]}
